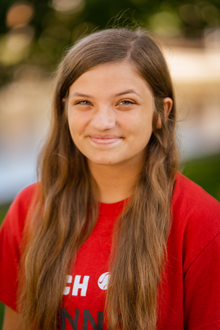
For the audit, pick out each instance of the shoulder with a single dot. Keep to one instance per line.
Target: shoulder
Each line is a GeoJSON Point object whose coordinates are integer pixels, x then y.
{"type": "Point", "coordinates": [26, 195]}
{"type": "Point", "coordinates": [191, 200]}
{"type": "Point", "coordinates": [24, 198]}
{"type": "Point", "coordinates": [195, 219]}
{"type": "Point", "coordinates": [15, 218]}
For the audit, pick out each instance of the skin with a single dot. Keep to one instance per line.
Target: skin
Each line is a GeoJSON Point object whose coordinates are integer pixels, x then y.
{"type": "Point", "coordinates": [110, 111]}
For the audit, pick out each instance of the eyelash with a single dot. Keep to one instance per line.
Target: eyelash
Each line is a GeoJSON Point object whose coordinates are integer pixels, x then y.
{"type": "Point", "coordinates": [123, 102]}
{"type": "Point", "coordinates": [84, 102]}
{"type": "Point", "coordinates": [127, 102]}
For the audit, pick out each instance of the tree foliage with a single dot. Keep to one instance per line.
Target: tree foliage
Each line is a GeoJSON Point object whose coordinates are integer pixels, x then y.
{"type": "Point", "coordinates": [55, 24]}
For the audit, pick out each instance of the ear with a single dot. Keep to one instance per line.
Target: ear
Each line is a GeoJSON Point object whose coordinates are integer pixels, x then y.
{"type": "Point", "coordinates": [167, 106]}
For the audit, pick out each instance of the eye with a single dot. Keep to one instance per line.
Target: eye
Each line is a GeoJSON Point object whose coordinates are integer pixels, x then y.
{"type": "Point", "coordinates": [84, 102]}
{"type": "Point", "coordinates": [126, 102]}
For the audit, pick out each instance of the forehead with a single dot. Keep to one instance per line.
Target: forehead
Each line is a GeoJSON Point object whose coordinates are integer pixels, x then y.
{"type": "Point", "coordinates": [113, 76]}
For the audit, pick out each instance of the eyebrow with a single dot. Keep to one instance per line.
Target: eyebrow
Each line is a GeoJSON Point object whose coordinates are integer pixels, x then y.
{"type": "Point", "coordinates": [80, 94]}
{"type": "Point", "coordinates": [128, 91]}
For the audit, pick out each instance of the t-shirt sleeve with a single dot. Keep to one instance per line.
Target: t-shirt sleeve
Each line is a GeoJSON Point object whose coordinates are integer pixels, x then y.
{"type": "Point", "coordinates": [11, 234]}
{"type": "Point", "coordinates": [202, 289]}
{"type": "Point", "coordinates": [196, 237]}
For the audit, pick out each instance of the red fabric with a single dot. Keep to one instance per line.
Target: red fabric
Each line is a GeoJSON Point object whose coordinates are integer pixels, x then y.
{"type": "Point", "coordinates": [191, 282]}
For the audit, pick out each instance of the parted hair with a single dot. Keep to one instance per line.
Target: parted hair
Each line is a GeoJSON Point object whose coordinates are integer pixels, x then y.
{"type": "Point", "coordinates": [65, 212]}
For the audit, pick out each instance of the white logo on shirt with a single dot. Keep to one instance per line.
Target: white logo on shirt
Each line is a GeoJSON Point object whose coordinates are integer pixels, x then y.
{"type": "Point", "coordinates": [103, 281]}
{"type": "Point", "coordinates": [77, 285]}
{"type": "Point", "coordinates": [69, 279]}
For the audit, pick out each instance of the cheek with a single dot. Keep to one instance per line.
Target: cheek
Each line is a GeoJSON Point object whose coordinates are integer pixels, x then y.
{"type": "Point", "coordinates": [77, 123]}
{"type": "Point", "coordinates": [143, 127]}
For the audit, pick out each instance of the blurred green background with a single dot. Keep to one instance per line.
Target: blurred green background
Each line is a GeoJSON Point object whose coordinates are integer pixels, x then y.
{"type": "Point", "coordinates": [33, 37]}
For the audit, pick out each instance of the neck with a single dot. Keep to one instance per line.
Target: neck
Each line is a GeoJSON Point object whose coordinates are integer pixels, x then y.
{"type": "Point", "coordinates": [113, 183]}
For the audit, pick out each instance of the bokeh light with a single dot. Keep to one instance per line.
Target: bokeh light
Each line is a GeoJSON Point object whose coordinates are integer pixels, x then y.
{"type": "Point", "coordinates": [67, 6]}
{"type": "Point", "coordinates": [19, 14]}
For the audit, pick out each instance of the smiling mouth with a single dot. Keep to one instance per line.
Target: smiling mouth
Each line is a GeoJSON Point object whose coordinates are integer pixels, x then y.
{"type": "Point", "coordinates": [105, 140]}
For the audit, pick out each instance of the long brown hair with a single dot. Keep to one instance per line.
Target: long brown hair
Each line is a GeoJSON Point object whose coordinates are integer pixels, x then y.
{"type": "Point", "coordinates": [66, 212]}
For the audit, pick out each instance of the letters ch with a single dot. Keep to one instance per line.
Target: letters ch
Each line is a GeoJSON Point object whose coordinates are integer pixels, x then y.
{"type": "Point", "coordinates": [77, 285]}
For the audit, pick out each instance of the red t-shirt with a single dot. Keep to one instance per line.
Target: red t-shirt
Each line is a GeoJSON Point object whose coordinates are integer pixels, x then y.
{"type": "Point", "coordinates": [191, 282]}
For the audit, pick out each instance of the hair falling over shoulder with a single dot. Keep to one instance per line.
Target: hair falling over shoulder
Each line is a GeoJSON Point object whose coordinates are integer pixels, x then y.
{"type": "Point", "coordinates": [66, 213]}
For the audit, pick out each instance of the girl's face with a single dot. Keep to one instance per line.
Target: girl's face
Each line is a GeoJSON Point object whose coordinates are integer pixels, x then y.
{"type": "Point", "coordinates": [110, 112]}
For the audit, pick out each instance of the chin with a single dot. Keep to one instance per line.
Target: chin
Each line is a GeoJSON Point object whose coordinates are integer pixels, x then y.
{"type": "Point", "coordinates": [104, 161]}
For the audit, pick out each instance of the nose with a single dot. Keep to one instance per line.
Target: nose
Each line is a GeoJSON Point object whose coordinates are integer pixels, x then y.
{"type": "Point", "coordinates": [103, 119]}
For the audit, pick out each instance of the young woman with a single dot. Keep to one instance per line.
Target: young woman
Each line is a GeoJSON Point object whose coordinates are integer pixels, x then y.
{"type": "Point", "coordinates": [112, 237]}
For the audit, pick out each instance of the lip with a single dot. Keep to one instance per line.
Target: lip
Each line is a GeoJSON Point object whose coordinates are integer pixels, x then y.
{"type": "Point", "coordinates": [104, 140]}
